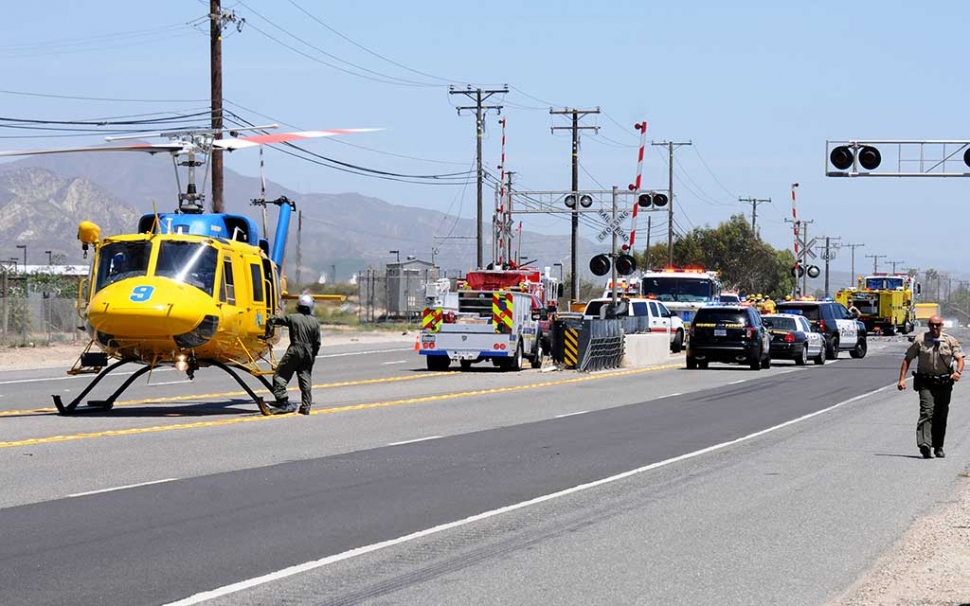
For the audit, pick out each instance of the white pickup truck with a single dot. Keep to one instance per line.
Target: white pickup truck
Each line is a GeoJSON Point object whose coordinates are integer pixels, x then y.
{"type": "Point", "coordinates": [660, 319]}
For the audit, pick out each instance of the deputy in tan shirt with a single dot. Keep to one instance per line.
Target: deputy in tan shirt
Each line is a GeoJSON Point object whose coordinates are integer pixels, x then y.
{"type": "Point", "coordinates": [940, 366]}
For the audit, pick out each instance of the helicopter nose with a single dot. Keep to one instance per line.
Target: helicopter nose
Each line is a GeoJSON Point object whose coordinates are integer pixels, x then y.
{"type": "Point", "coordinates": [141, 307]}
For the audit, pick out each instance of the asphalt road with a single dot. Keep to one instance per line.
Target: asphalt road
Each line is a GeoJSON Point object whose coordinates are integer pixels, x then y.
{"type": "Point", "coordinates": [649, 486]}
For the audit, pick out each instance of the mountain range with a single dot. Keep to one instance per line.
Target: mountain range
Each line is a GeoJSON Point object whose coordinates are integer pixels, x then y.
{"type": "Point", "coordinates": [43, 198]}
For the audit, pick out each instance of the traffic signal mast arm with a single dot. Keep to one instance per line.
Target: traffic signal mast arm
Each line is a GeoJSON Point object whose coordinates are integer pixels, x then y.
{"type": "Point", "coordinates": [913, 158]}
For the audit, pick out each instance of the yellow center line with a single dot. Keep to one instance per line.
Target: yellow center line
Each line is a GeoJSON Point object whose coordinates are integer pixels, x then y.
{"type": "Point", "coordinates": [325, 411]}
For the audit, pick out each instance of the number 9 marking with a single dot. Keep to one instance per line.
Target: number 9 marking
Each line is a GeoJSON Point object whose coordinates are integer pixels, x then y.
{"type": "Point", "coordinates": [141, 294]}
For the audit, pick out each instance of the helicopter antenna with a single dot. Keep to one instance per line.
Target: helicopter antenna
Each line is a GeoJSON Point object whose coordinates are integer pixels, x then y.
{"type": "Point", "coordinates": [157, 223]}
{"type": "Point", "coordinates": [262, 187]}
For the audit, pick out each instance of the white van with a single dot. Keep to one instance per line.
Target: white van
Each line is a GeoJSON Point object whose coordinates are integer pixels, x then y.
{"type": "Point", "coordinates": [660, 319]}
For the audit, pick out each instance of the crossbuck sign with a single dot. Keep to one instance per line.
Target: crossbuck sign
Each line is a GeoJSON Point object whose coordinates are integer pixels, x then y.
{"type": "Point", "coordinates": [613, 225]}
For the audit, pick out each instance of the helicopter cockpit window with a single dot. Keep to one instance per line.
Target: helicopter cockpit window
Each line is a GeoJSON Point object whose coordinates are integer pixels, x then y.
{"type": "Point", "coordinates": [120, 260]}
{"type": "Point", "coordinates": [193, 263]}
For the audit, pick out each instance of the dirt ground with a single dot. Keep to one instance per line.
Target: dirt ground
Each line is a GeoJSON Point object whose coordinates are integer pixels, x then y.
{"type": "Point", "coordinates": [929, 566]}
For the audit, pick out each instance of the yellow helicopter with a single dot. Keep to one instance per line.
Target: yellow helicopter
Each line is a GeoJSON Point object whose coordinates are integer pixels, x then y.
{"type": "Point", "coordinates": [187, 289]}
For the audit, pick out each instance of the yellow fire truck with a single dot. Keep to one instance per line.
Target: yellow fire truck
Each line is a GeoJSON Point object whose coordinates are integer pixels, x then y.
{"type": "Point", "coordinates": [886, 302]}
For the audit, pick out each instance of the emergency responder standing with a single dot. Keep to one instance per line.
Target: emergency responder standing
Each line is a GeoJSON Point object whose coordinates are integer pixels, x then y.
{"type": "Point", "coordinates": [304, 346]}
{"type": "Point", "coordinates": [940, 366]}
{"type": "Point", "coordinates": [854, 312]}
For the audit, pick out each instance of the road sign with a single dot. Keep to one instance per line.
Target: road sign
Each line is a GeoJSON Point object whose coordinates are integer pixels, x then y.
{"type": "Point", "coordinates": [806, 252]}
{"type": "Point", "coordinates": [613, 225]}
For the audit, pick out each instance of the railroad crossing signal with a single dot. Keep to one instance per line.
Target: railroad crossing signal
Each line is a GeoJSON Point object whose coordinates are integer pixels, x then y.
{"type": "Point", "coordinates": [585, 200]}
{"type": "Point", "coordinates": [652, 199]}
{"type": "Point", "coordinates": [600, 264]}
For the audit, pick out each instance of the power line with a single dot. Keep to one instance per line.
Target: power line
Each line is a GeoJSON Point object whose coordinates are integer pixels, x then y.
{"type": "Point", "coordinates": [342, 142]}
{"type": "Point", "coordinates": [113, 99]}
{"type": "Point", "coordinates": [401, 81]}
{"type": "Point", "coordinates": [367, 50]}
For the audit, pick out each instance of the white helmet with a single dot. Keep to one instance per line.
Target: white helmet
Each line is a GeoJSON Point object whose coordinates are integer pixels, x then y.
{"type": "Point", "coordinates": [305, 301]}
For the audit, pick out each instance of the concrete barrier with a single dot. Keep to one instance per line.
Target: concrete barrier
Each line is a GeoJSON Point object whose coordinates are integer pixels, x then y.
{"type": "Point", "coordinates": [646, 350]}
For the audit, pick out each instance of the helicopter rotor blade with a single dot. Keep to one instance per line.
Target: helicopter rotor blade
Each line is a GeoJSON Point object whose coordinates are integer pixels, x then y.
{"type": "Point", "coordinates": [175, 147]}
{"type": "Point", "coordinates": [251, 141]}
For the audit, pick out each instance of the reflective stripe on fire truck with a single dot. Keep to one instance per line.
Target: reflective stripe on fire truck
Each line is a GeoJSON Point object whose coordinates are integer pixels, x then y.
{"type": "Point", "coordinates": [431, 319]}
{"type": "Point", "coordinates": [502, 311]}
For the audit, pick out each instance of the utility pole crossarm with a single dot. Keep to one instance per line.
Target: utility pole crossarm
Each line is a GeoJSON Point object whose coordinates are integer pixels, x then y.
{"type": "Point", "coordinates": [754, 210]}
{"type": "Point", "coordinates": [875, 261]}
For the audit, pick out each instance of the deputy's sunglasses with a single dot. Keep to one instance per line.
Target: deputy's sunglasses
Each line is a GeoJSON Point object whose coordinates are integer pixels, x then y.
{"type": "Point", "coordinates": [934, 323]}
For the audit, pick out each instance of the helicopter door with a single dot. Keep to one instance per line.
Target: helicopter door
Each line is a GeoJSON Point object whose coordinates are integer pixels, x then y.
{"type": "Point", "coordinates": [227, 293]}
{"type": "Point", "coordinates": [272, 288]}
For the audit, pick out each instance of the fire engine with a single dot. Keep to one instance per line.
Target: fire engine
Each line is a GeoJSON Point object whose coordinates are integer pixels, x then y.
{"type": "Point", "coordinates": [682, 291]}
{"type": "Point", "coordinates": [886, 302]}
{"type": "Point", "coordinates": [501, 315]}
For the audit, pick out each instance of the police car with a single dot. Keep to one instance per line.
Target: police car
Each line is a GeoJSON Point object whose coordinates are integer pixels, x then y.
{"type": "Point", "coordinates": [841, 331]}
{"type": "Point", "coordinates": [793, 338]}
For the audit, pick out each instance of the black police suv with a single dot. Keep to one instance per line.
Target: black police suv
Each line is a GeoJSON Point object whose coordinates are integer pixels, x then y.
{"type": "Point", "coordinates": [728, 333]}
{"type": "Point", "coordinates": [842, 332]}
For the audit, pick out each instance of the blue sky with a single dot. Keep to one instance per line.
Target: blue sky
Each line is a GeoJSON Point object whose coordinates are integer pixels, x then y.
{"type": "Point", "coordinates": [757, 87]}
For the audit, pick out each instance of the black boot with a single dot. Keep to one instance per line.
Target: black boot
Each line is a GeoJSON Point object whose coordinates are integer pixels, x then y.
{"type": "Point", "coordinates": [304, 409]}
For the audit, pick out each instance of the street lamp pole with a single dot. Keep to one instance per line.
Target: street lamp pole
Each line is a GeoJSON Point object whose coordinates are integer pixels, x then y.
{"type": "Point", "coordinates": [49, 253]}
{"type": "Point", "coordinates": [396, 252]}
{"type": "Point", "coordinates": [24, 247]}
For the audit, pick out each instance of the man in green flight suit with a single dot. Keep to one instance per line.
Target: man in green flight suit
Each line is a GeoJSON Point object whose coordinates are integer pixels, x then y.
{"type": "Point", "coordinates": [299, 357]}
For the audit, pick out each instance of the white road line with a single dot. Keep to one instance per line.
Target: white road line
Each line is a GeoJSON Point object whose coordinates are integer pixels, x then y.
{"type": "Point", "coordinates": [413, 441]}
{"type": "Point", "coordinates": [84, 494]}
{"type": "Point", "coordinates": [364, 353]}
{"type": "Point", "coordinates": [394, 362]}
{"type": "Point", "coordinates": [571, 414]}
{"type": "Point", "coordinates": [122, 374]}
{"type": "Point", "coordinates": [315, 564]}
{"type": "Point", "coordinates": [671, 395]}
{"type": "Point", "coordinates": [738, 381]}
{"type": "Point", "coordinates": [76, 377]}
{"type": "Point", "coordinates": [169, 383]}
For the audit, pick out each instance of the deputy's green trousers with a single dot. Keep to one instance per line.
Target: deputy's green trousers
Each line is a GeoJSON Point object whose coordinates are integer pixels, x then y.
{"type": "Point", "coordinates": [934, 407]}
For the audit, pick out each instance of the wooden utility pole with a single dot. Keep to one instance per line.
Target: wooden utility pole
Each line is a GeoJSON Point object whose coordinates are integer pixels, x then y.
{"type": "Point", "coordinates": [218, 21]}
{"type": "Point", "coordinates": [875, 261]}
{"type": "Point", "coordinates": [576, 114]}
{"type": "Point", "coordinates": [215, 68]}
{"type": "Point", "coordinates": [853, 247]}
{"type": "Point", "coordinates": [827, 256]}
{"type": "Point", "coordinates": [479, 96]}
{"type": "Point", "coordinates": [646, 253]}
{"type": "Point", "coordinates": [754, 210]}
{"type": "Point", "coordinates": [670, 196]}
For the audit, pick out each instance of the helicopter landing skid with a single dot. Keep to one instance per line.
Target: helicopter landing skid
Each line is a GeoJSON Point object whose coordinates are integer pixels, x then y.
{"type": "Point", "coordinates": [107, 404]}
{"type": "Point", "coordinates": [263, 407]}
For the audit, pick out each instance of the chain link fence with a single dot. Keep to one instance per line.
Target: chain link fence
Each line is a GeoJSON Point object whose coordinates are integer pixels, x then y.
{"type": "Point", "coordinates": [394, 294]}
{"type": "Point", "coordinates": [39, 320]}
